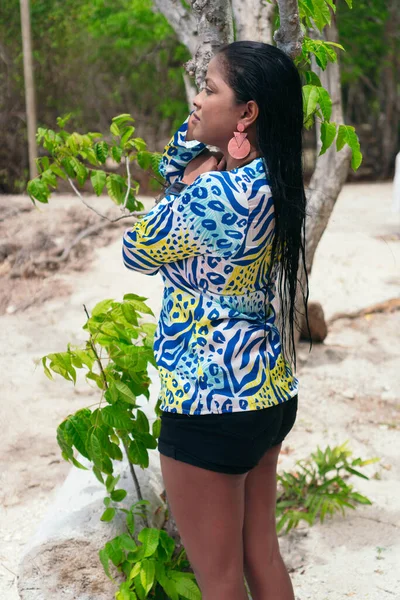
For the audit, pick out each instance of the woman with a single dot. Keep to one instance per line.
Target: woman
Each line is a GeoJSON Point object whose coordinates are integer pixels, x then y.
{"type": "Point", "coordinates": [229, 226]}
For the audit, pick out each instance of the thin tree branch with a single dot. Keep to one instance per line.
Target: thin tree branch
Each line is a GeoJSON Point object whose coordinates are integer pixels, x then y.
{"type": "Point", "coordinates": [132, 214]}
{"type": "Point", "coordinates": [128, 173]}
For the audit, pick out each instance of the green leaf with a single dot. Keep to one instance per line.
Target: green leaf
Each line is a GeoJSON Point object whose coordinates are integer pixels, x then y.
{"type": "Point", "coordinates": [104, 559]}
{"type": "Point", "coordinates": [147, 575]}
{"type": "Point", "coordinates": [58, 171]}
{"type": "Point", "coordinates": [169, 587]}
{"type": "Point", "coordinates": [125, 593]}
{"type": "Point", "coordinates": [123, 119]}
{"type": "Point", "coordinates": [150, 538]}
{"type": "Point", "coordinates": [64, 442]}
{"type": "Point", "coordinates": [321, 14]}
{"type": "Point", "coordinates": [101, 151]}
{"type": "Point", "coordinates": [139, 588]}
{"type": "Point", "coordinates": [325, 103]}
{"type": "Point", "coordinates": [138, 304]}
{"type": "Point", "coordinates": [98, 474]}
{"type": "Point", "coordinates": [96, 449]}
{"type": "Point", "coordinates": [62, 121]}
{"type": "Point", "coordinates": [116, 188]}
{"type": "Point", "coordinates": [98, 179]}
{"type": "Point", "coordinates": [138, 454]}
{"type": "Point", "coordinates": [46, 369]}
{"type": "Point", "coordinates": [167, 543]}
{"type": "Point", "coordinates": [156, 428]}
{"type": "Point", "coordinates": [115, 129]}
{"type": "Point", "coordinates": [102, 307]}
{"type": "Point", "coordinates": [185, 586]}
{"type": "Point", "coordinates": [312, 78]}
{"type": "Point", "coordinates": [130, 523]}
{"type": "Point", "coordinates": [129, 313]}
{"type": "Point", "coordinates": [38, 190]}
{"type": "Point", "coordinates": [77, 430]}
{"type": "Point", "coordinates": [79, 169]}
{"type": "Point", "coordinates": [135, 571]}
{"type": "Point", "coordinates": [126, 542]}
{"type": "Point", "coordinates": [347, 135]}
{"type": "Point", "coordinates": [115, 416]}
{"type": "Point", "coordinates": [144, 159]}
{"type": "Point", "coordinates": [310, 99]}
{"type": "Point", "coordinates": [111, 482]}
{"type": "Point", "coordinates": [142, 422]}
{"type": "Point", "coordinates": [77, 464]}
{"type": "Point", "coordinates": [328, 133]}
{"type": "Point", "coordinates": [118, 495]}
{"type": "Point", "coordinates": [129, 131]}
{"type": "Point", "coordinates": [359, 498]}
{"type": "Point", "coordinates": [355, 472]}
{"type": "Point", "coordinates": [124, 392]}
{"type": "Point", "coordinates": [108, 514]}
{"type": "Point", "coordinates": [116, 153]}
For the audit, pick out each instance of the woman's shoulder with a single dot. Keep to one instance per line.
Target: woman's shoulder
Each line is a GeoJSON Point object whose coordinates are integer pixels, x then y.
{"type": "Point", "coordinates": [240, 180]}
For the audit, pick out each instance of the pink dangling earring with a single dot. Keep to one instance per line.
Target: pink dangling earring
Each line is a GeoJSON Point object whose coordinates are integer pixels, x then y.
{"type": "Point", "coordinates": [239, 145]}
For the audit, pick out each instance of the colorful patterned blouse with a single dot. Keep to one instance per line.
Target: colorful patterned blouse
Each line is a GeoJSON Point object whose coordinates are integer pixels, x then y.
{"type": "Point", "coordinates": [211, 244]}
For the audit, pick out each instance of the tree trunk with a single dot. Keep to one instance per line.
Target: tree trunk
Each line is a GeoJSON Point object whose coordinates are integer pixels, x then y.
{"type": "Point", "coordinates": [29, 86]}
{"type": "Point", "coordinates": [253, 20]}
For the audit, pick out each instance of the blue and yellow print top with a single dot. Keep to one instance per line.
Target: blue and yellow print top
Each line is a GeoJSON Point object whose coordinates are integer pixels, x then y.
{"type": "Point", "coordinates": [212, 246]}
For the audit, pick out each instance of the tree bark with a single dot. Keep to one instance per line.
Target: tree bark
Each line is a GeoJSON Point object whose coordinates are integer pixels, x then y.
{"type": "Point", "coordinates": [253, 20]}
{"type": "Point", "coordinates": [332, 167]}
{"type": "Point", "coordinates": [289, 36]}
{"type": "Point", "coordinates": [29, 86]}
{"type": "Point", "coordinates": [215, 28]}
{"type": "Point", "coordinates": [181, 20]}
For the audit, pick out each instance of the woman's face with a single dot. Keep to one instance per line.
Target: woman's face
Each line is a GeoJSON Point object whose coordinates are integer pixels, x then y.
{"type": "Point", "coordinates": [216, 111]}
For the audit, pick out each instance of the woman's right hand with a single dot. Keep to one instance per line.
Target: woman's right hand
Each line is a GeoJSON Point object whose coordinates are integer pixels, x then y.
{"type": "Point", "coordinates": [205, 162]}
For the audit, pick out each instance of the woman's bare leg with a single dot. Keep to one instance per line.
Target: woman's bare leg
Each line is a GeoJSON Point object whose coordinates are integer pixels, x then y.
{"type": "Point", "coordinates": [208, 509]}
{"type": "Point", "coordinates": [265, 570]}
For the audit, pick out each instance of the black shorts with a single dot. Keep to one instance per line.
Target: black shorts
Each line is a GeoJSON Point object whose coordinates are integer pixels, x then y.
{"type": "Point", "coordinates": [228, 442]}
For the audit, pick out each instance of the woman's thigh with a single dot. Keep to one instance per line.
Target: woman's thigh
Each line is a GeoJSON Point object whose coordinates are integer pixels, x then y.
{"type": "Point", "coordinates": [208, 509]}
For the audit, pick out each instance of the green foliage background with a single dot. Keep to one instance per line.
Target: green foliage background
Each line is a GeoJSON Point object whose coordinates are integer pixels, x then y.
{"type": "Point", "coordinates": [99, 58]}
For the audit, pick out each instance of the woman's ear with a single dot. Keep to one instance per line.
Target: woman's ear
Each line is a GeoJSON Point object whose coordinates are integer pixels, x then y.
{"type": "Point", "coordinates": [250, 113]}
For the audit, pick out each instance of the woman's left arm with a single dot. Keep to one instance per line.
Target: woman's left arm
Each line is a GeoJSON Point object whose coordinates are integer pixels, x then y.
{"type": "Point", "coordinates": [208, 217]}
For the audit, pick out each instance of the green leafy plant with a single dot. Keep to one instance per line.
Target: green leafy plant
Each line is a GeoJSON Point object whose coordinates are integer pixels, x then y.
{"type": "Point", "coordinates": [150, 564]}
{"type": "Point", "coordinates": [115, 357]}
{"type": "Point", "coordinates": [319, 487]}
{"type": "Point", "coordinates": [74, 156]}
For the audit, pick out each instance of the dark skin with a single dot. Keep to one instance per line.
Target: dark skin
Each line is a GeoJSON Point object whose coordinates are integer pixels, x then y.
{"type": "Point", "coordinates": [218, 117]}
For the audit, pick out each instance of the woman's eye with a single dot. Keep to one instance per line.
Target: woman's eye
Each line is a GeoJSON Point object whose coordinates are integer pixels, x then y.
{"type": "Point", "coordinates": [208, 91]}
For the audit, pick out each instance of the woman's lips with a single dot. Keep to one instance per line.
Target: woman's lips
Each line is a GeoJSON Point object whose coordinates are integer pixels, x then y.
{"type": "Point", "coordinates": [196, 117]}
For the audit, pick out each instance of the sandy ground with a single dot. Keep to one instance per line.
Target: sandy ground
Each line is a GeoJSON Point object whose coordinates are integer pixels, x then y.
{"type": "Point", "coordinates": [349, 386]}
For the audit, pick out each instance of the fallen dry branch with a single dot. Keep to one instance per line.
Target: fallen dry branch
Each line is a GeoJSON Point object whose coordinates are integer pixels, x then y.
{"type": "Point", "coordinates": [55, 258]}
{"type": "Point", "coordinates": [388, 306]}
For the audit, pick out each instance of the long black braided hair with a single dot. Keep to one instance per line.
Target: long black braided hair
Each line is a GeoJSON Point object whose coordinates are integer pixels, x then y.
{"type": "Point", "coordinates": [263, 73]}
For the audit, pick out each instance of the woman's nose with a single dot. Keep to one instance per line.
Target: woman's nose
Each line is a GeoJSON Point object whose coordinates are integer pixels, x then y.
{"type": "Point", "coordinates": [196, 101]}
